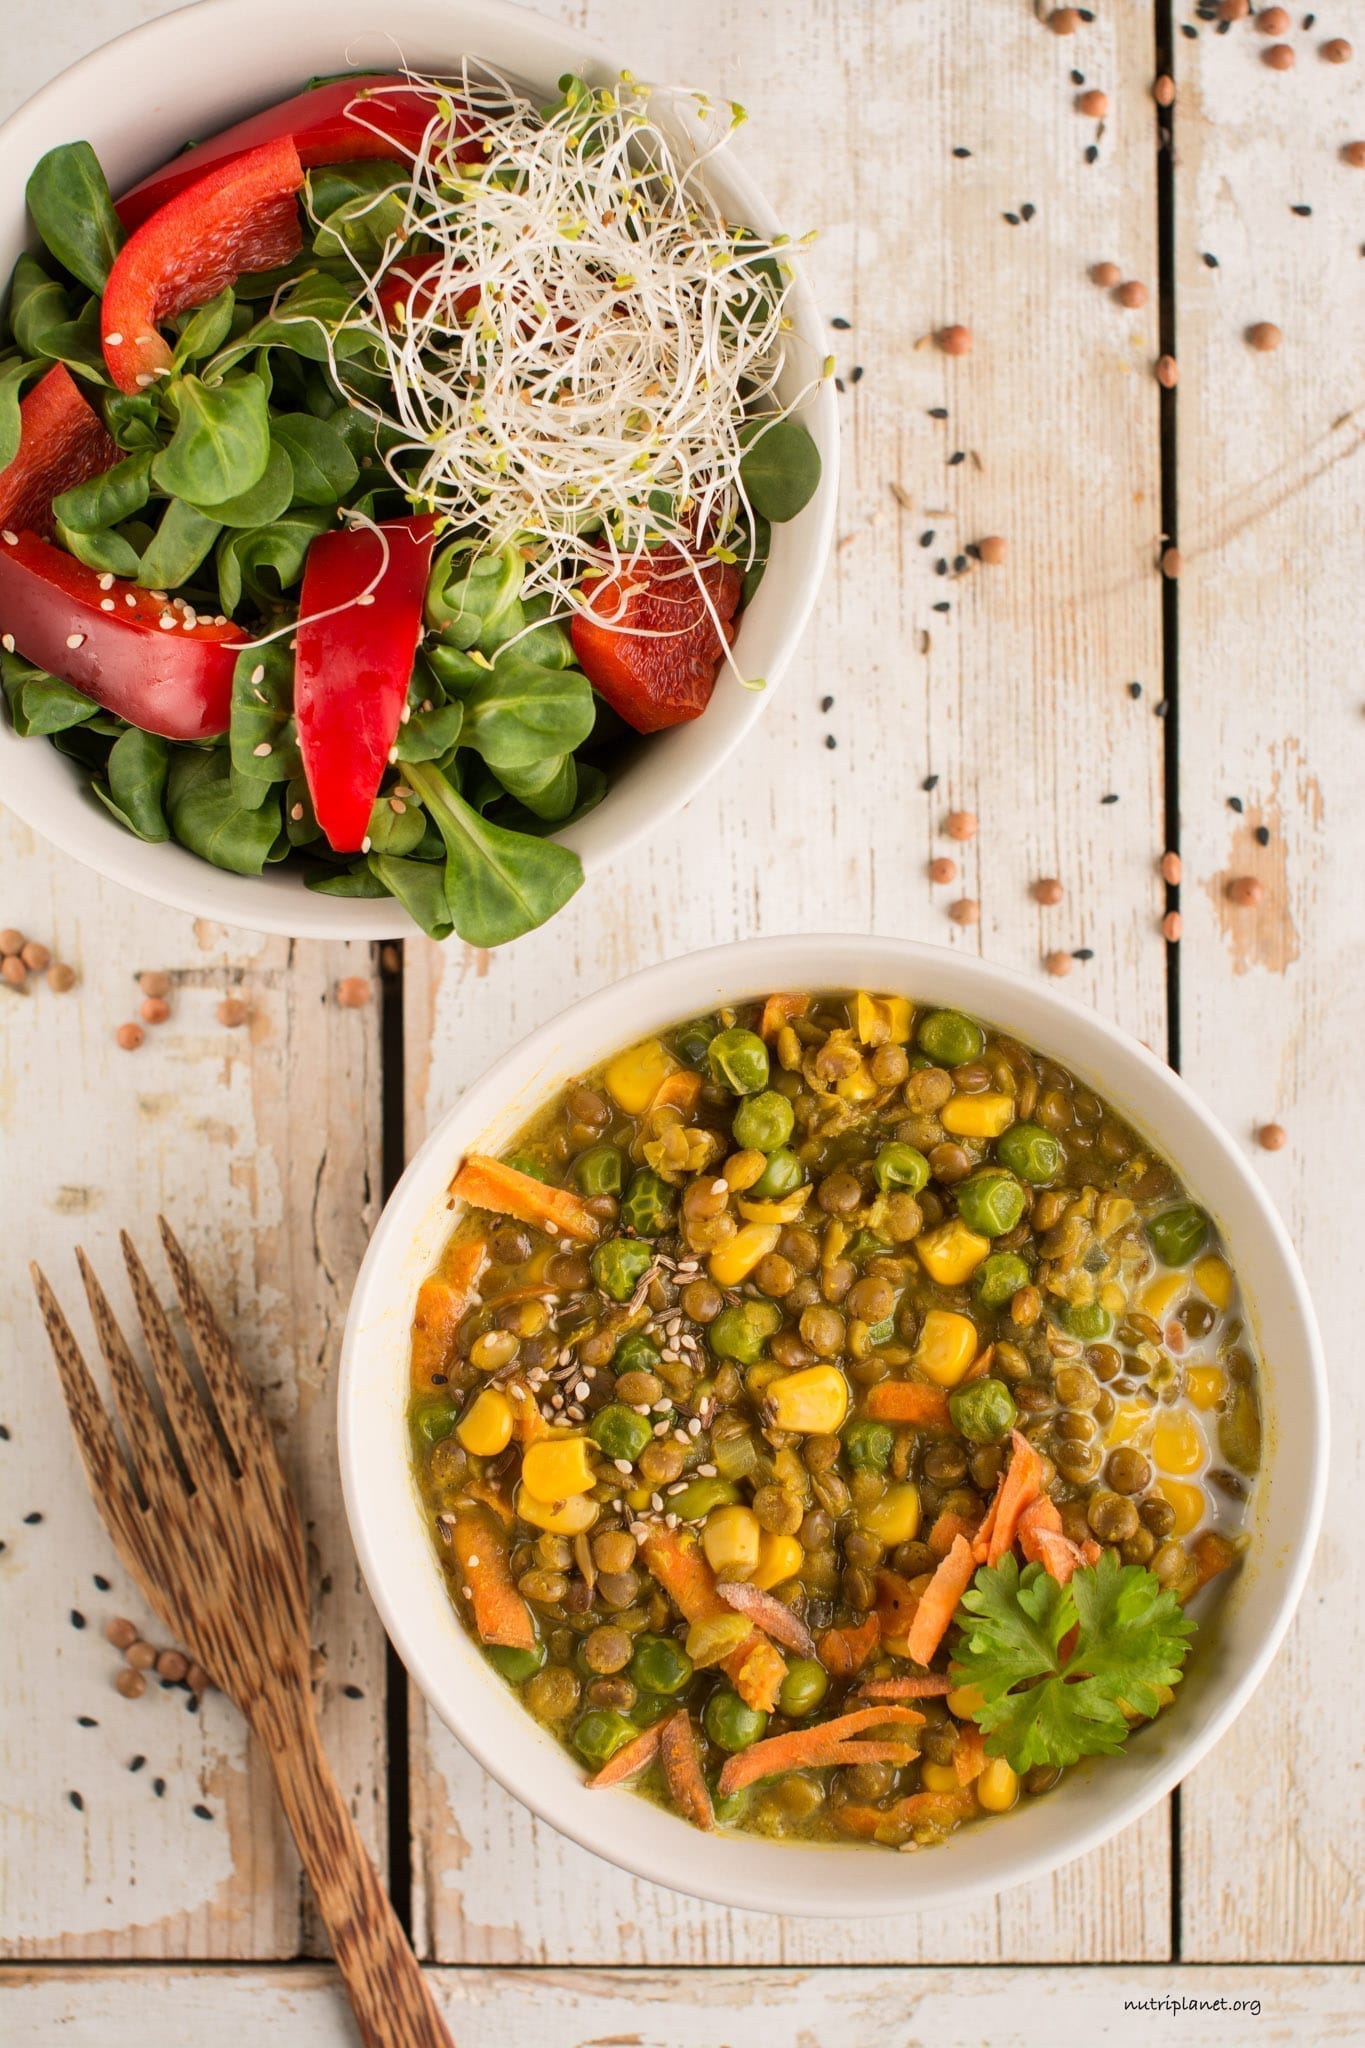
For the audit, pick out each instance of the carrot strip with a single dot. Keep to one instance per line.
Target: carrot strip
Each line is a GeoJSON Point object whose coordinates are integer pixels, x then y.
{"type": "Point", "coordinates": [676, 1561]}
{"type": "Point", "coordinates": [682, 1090]}
{"type": "Point", "coordinates": [442, 1300]}
{"type": "Point", "coordinates": [933, 1685]}
{"type": "Point", "coordinates": [501, 1616]}
{"type": "Point", "coordinates": [775, 1619]}
{"type": "Point", "coordinates": [860, 1752]}
{"type": "Point", "coordinates": [1212, 1554]}
{"type": "Point", "coordinates": [939, 1602]}
{"type": "Point", "coordinates": [628, 1760]}
{"type": "Point", "coordinates": [969, 1758]}
{"type": "Point", "coordinates": [488, 1184]}
{"type": "Point", "coordinates": [981, 1542]}
{"type": "Point", "coordinates": [779, 1010]}
{"type": "Point", "coordinates": [806, 1746]}
{"type": "Point", "coordinates": [758, 1671]}
{"type": "Point", "coordinates": [687, 1788]}
{"type": "Point", "coordinates": [946, 1527]}
{"type": "Point", "coordinates": [896, 1604]}
{"type": "Point", "coordinates": [909, 1401]}
{"type": "Point", "coordinates": [918, 1809]}
{"type": "Point", "coordinates": [1022, 1483]}
{"type": "Point", "coordinates": [1042, 1540]}
{"type": "Point", "coordinates": [844, 1651]}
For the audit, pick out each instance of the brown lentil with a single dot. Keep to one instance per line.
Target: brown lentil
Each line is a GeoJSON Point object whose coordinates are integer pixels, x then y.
{"type": "Point", "coordinates": [966, 910]}
{"type": "Point", "coordinates": [1167, 372]}
{"type": "Point", "coordinates": [1132, 295]}
{"type": "Point", "coordinates": [992, 550]}
{"type": "Point", "coordinates": [1245, 890]}
{"type": "Point", "coordinates": [13, 970]}
{"type": "Point", "coordinates": [1106, 275]}
{"type": "Point", "coordinates": [1272, 1137]}
{"type": "Point", "coordinates": [129, 1037]}
{"type": "Point", "coordinates": [1172, 926]}
{"type": "Point", "coordinates": [1172, 562]}
{"type": "Point", "coordinates": [1264, 336]}
{"type": "Point", "coordinates": [1279, 57]}
{"type": "Point", "coordinates": [954, 341]}
{"type": "Point", "coordinates": [232, 1012]}
{"type": "Point", "coordinates": [1163, 91]}
{"type": "Point", "coordinates": [130, 1683]}
{"type": "Point", "coordinates": [961, 825]}
{"type": "Point", "coordinates": [154, 1010]}
{"type": "Point", "coordinates": [943, 869]}
{"type": "Point", "coordinates": [1094, 104]}
{"type": "Point", "coordinates": [1337, 50]}
{"type": "Point", "coordinates": [1059, 964]}
{"type": "Point", "coordinates": [1064, 21]}
{"type": "Point", "coordinates": [1128, 1471]}
{"type": "Point", "coordinates": [60, 977]}
{"type": "Point", "coordinates": [1273, 21]}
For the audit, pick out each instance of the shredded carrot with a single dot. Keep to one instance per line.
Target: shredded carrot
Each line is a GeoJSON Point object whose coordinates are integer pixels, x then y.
{"type": "Point", "coordinates": [772, 1616]}
{"type": "Point", "coordinates": [442, 1300]}
{"type": "Point", "coordinates": [981, 1542]}
{"type": "Point", "coordinates": [758, 1671]}
{"type": "Point", "coordinates": [1042, 1540]}
{"type": "Point", "coordinates": [628, 1760]}
{"type": "Point", "coordinates": [1022, 1483]}
{"type": "Point", "coordinates": [969, 1757]}
{"type": "Point", "coordinates": [918, 1809]}
{"type": "Point", "coordinates": [682, 1090]}
{"type": "Point", "coordinates": [489, 1184]}
{"type": "Point", "coordinates": [932, 1685]}
{"type": "Point", "coordinates": [939, 1602]}
{"type": "Point", "coordinates": [779, 1010]}
{"type": "Point", "coordinates": [687, 1788]}
{"type": "Point", "coordinates": [946, 1527]}
{"type": "Point", "coordinates": [1212, 1554]}
{"type": "Point", "coordinates": [844, 1651]}
{"type": "Point", "coordinates": [676, 1560]}
{"type": "Point", "coordinates": [501, 1616]}
{"type": "Point", "coordinates": [909, 1401]}
{"type": "Point", "coordinates": [806, 1748]}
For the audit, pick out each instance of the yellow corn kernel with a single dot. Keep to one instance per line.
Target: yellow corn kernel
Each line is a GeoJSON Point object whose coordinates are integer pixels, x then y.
{"type": "Point", "coordinates": [569, 1517]}
{"type": "Point", "coordinates": [812, 1402]}
{"type": "Point", "coordinates": [1131, 1420]}
{"type": "Point", "coordinates": [779, 1558]}
{"type": "Point", "coordinates": [883, 1020]}
{"type": "Point", "coordinates": [1160, 1298]}
{"type": "Point", "coordinates": [1189, 1502]}
{"type": "Point", "coordinates": [1213, 1278]}
{"type": "Point", "coordinates": [966, 1701]}
{"type": "Point", "coordinates": [858, 1086]}
{"type": "Point", "coordinates": [952, 1253]}
{"type": "Point", "coordinates": [1205, 1385]}
{"type": "Point", "coordinates": [487, 1427]}
{"type": "Point", "coordinates": [557, 1467]}
{"type": "Point", "coordinates": [977, 1116]}
{"type": "Point", "coordinates": [736, 1260]}
{"type": "Point", "coordinates": [730, 1537]}
{"type": "Point", "coordinates": [938, 1777]}
{"type": "Point", "coordinates": [947, 1345]}
{"type": "Point", "coordinates": [785, 1211]}
{"type": "Point", "coordinates": [1177, 1442]}
{"type": "Point", "coordinates": [895, 1517]}
{"type": "Point", "coordinates": [635, 1076]}
{"type": "Point", "coordinates": [998, 1786]}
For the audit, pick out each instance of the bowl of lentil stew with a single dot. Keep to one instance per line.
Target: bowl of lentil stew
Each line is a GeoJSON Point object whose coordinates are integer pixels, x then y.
{"type": "Point", "coordinates": [717, 1545]}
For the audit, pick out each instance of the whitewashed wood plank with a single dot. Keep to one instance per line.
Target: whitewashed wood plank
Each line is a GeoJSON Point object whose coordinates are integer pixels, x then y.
{"type": "Point", "coordinates": [1183, 2007]}
{"type": "Point", "coordinates": [1272, 620]}
{"type": "Point", "coordinates": [261, 1146]}
{"type": "Point", "coordinates": [1020, 705]}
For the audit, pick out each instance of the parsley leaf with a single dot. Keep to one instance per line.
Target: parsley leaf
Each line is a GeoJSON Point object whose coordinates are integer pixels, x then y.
{"type": "Point", "coordinates": [1057, 1664]}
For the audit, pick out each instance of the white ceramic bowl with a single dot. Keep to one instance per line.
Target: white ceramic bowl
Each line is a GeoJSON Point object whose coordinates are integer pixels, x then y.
{"type": "Point", "coordinates": [189, 74]}
{"type": "Point", "coordinates": [1248, 1614]}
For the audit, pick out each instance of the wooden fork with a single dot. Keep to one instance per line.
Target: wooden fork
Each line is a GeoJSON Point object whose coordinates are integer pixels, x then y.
{"type": "Point", "coordinates": [202, 1516]}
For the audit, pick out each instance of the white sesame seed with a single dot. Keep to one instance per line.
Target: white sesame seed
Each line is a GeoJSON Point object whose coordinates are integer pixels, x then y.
{"type": "Point", "coordinates": [473, 1564]}
{"type": "Point", "coordinates": [675, 1327]}
{"type": "Point", "coordinates": [407, 714]}
{"type": "Point", "coordinates": [263, 749]}
{"type": "Point", "coordinates": [258, 673]}
{"type": "Point", "coordinates": [106, 581]}
{"type": "Point", "coordinates": [556, 1400]}
{"type": "Point", "coordinates": [661, 1429]}
{"type": "Point", "coordinates": [365, 844]}
{"type": "Point", "coordinates": [159, 595]}
{"type": "Point", "coordinates": [656, 1501]}
{"type": "Point", "coordinates": [106, 604]}
{"type": "Point", "coordinates": [75, 639]}
{"type": "Point", "coordinates": [367, 597]}
{"type": "Point", "coordinates": [397, 806]}
{"type": "Point", "coordinates": [574, 1414]}
{"type": "Point", "coordinates": [113, 341]}
{"type": "Point", "coordinates": [680, 1436]}
{"type": "Point", "coordinates": [296, 812]}
{"type": "Point", "coordinates": [7, 642]}
{"type": "Point", "coordinates": [720, 1187]}
{"type": "Point", "coordinates": [167, 622]}
{"type": "Point", "coordinates": [706, 1471]}
{"type": "Point", "coordinates": [130, 599]}
{"type": "Point", "coordinates": [144, 379]}
{"type": "Point", "coordinates": [393, 755]}
{"type": "Point", "coordinates": [10, 539]}
{"type": "Point", "coordinates": [464, 1589]}
{"type": "Point", "coordinates": [670, 1521]}
{"type": "Point", "coordinates": [582, 1391]}
{"type": "Point", "coordinates": [662, 1407]}
{"type": "Point", "coordinates": [622, 1464]}
{"type": "Point", "coordinates": [694, 1426]}
{"type": "Point", "coordinates": [678, 1486]}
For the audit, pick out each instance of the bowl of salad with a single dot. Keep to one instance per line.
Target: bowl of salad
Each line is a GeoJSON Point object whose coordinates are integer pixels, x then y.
{"type": "Point", "coordinates": [828, 1398]}
{"type": "Point", "coordinates": [417, 462]}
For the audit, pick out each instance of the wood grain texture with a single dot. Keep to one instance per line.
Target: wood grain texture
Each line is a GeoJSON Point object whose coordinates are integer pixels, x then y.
{"type": "Point", "coordinates": [303, 2008]}
{"type": "Point", "coordinates": [1017, 699]}
{"type": "Point", "coordinates": [261, 1144]}
{"type": "Point", "coordinates": [1272, 621]}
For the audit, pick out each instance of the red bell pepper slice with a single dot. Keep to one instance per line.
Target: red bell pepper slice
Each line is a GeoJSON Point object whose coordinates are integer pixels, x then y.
{"type": "Point", "coordinates": [350, 120]}
{"type": "Point", "coordinates": [240, 216]}
{"type": "Point", "coordinates": [351, 669]}
{"type": "Point", "coordinates": [111, 640]}
{"type": "Point", "coordinates": [62, 442]}
{"type": "Point", "coordinates": [403, 292]}
{"type": "Point", "coordinates": [657, 660]}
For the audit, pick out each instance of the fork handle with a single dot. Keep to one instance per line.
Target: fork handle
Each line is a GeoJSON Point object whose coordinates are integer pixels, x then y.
{"type": "Point", "coordinates": [389, 1996]}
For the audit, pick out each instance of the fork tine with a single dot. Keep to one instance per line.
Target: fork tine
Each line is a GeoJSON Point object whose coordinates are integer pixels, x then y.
{"type": "Point", "coordinates": [239, 1408]}
{"type": "Point", "coordinates": [148, 1447]}
{"type": "Point", "coordinates": [189, 1418]}
{"type": "Point", "coordinates": [105, 1469]}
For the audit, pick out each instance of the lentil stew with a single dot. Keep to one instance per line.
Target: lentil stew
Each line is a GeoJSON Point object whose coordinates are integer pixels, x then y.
{"type": "Point", "coordinates": [811, 1397]}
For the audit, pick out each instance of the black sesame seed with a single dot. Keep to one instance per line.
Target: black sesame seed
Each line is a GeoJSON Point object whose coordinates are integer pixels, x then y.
{"type": "Point", "coordinates": [838, 383]}
{"type": "Point", "coordinates": [32, 1518]}
{"type": "Point", "coordinates": [192, 1703]}
{"type": "Point", "coordinates": [926, 540]}
{"type": "Point", "coordinates": [1112, 797]}
{"type": "Point", "coordinates": [1210, 260]}
{"type": "Point", "coordinates": [1160, 710]}
{"type": "Point", "coordinates": [944, 607]}
{"type": "Point", "coordinates": [826, 703]}
{"type": "Point", "coordinates": [1135, 690]}
{"type": "Point", "coordinates": [86, 1721]}
{"type": "Point", "coordinates": [77, 1618]}
{"type": "Point", "coordinates": [76, 1801]}
{"type": "Point", "coordinates": [1263, 835]}
{"type": "Point", "coordinates": [958, 455]}
{"type": "Point", "coordinates": [959, 151]}
{"type": "Point", "coordinates": [941, 566]}
{"type": "Point", "coordinates": [840, 322]}
{"type": "Point", "coordinates": [352, 1692]}
{"type": "Point", "coordinates": [1028, 209]}
{"type": "Point", "coordinates": [1086, 13]}
{"type": "Point", "coordinates": [959, 564]}
{"type": "Point", "coordinates": [830, 741]}
{"type": "Point", "coordinates": [1308, 20]}
{"type": "Point", "coordinates": [855, 375]}
{"type": "Point", "coordinates": [137, 1763]}
{"type": "Point", "coordinates": [4, 1434]}
{"type": "Point", "coordinates": [938, 412]}
{"type": "Point", "coordinates": [1235, 804]}
{"type": "Point", "coordinates": [1188, 29]}
{"type": "Point", "coordinates": [1223, 28]}
{"type": "Point", "coordinates": [1078, 78]}
{"type": "Point", "coordinates": [1302, 211]}
{"type": "Point", "coordinates": [1012, 218]}
{"type": "Point", "coordinates": [159, 1787]}
{"type": "Point", "coordinates": [1083, 953]}
{"type": "Point", "coordinates": [929, 782]}
{"type": "Point", "coordinates": [101, 1583]}
{"type": "Point", "coordinates": [974, 551]}
{"type": "Point", "coordinates": [1092, 154]}
{"type": "Point", "coordinates": [201, 1811]}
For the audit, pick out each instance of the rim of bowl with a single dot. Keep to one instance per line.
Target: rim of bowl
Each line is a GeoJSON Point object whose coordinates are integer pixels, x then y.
{"type": "Point", "coordinates": [1001, 995]}
{"type": "Point", "coordinates": [280, 903]}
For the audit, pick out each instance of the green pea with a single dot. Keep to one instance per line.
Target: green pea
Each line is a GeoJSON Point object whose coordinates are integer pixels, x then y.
{"type": "Point", "coordinates": [803, 1688]}
{"type": "Point", "coordinates": [693, 1042]}
{"type": "Point", "coordinates": [619, 1432]}
{"type": "Point", "coordinates": [868, 1445]}
{"type": "Point", "coordinates": [600, 1733]}
{"type": "Point", "coordinates": [699, 1496]}
{"type": "Point", "coordinates": [763, 1122]}
{"type": "Point", "coordinates": [982, 1412]}
{"type": "Point", "coordinates": [731, 1809]}
{"type": "Point", "coordinates": [999, 1278]}
{"type": "Point", "coordinates": [730, 1723]}
{"type": "Point", "coordinates": [647, 1205]}
{"type": "Point", "coordinates": [658, 1664]}
{"type": "Point", "coordinates": [990, 1201]}
{"type": "Point", "coordinates": [599, 1171]}
{"type": "Point", "coordinates": [1089, 1322]}
{"type": "Point", "coordinates": [900, 1166]}
{"type": "Point", "coordinates": [434, 1420]}
{"type": "Point", "coordinates": [950, 1038]}
{"type": "Point", "coordinates": [518, 1665]}
{"type": "Point", "coordinates": [739, 1060]}
{"type": "Point", "coordinates": [740, 1331]}
{"type": "Point", "coordinates": [526, 1162]}
{"type": "Point", "coordinates": [782, 1175]}
{"type": "Point", "coordinates": [635, 1353]}
{"type": "Point", "coordinates": [619, 1265]}
{"type": "Point", "coordinates": [1178, 1235]}
{"type": "Point", "coordinates": [864, 1241]}
{"type": "Point", "coordinates": [651, 1707]}
{"type": "Point", "coordinates": [1031, 1152]}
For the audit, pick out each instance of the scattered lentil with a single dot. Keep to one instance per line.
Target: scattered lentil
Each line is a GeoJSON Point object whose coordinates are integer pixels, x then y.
{"type": "Point", "coordinates": [130, 1683]}
{"type": "Point", "coordinates": [232, 1012]}
{"type": "Point", "coordinates": [1337, 51]}
{"type": "Point", "coordinates": [11, 941]}
{"type": "Point", "coordinates": [34, 956]}
{"type": "Point", "coordinates": [353, 992]}
{"type": "Point", "coordinates": [120, 1632]}
{"type": "Point", "coordinates": [992, 550]}
{"type": "Point", "coordinates": [1167, 372]}
{"type": "Point", "coordinates": [172, 1665]}
{"type": "Point", "coordinates": [1064, 21]}
{"type": "Point", "coordinates": [13, 970]}
{"type": "Point", "coordinates": [140, 1655]}
{"type": "Point", "coordinates": [1059, 964]}
{"type": "Point", "coordinates": [1172, 562]}
{"type": "Point", "coordinates": [1172, 925]}
{"type": "Point", "coordinates": [129, 1037]}
{"type": "Point", "coordinates": [1048, 890]}
{"type": "Point", "coordinates": [1171, 869]}
{"type": "Point", "coordinates": [954, 341]}
{"type": "Point", "coordinates": [60, 977]}
{"type": "Point", "coordinates": [943, 869]}
{"type": "Point", "coordinates": [154, 984]}
{"type": "Point", "coordinates": [1273, 21]}
{"type": "Point", "coordinates": [1245, 890]}
{"type": "Point", "coordinates": [1132, 295]}
{"type": "Point", "coordinates": [1233, 10]}
{"type": "Point", "coordinates": [1094, 104]}
{"type": "Point", "coordinates": [1354, 155]}
{"type": "Point", "coordinates": [1265, 337]}
{"type": "Point", "coordinates": [1279, 57]}
{"type": "Point", "coordinates": [966, 910]}
{"type": "Point", "coordinates": [154, 1010]}
{"type": "Point", "coordinates": [1272, 1137]}
{"type": "Point", "coordinates": [1163, 91]}
{"type": "Point", "coordinates": [961, 825]}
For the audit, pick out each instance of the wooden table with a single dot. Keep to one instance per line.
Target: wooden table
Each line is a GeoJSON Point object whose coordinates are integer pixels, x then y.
{"type": "Point", "coordinates": [1091, 713]}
